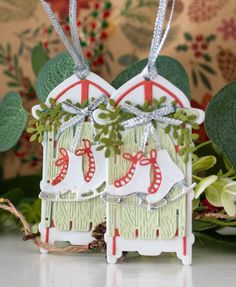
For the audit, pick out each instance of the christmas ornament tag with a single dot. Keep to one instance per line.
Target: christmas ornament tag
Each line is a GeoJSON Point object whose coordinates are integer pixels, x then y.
{"type": "Point", "coordinates": [73, 170]}
{"type": "Point", "coordinates": [149, 188]}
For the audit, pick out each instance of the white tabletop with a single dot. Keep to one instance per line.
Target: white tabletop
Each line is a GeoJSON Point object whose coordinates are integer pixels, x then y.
{"type": "Point", "coordinates": [21, 265]}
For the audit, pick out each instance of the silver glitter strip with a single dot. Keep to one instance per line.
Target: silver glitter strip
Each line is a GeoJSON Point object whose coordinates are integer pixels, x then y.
{"type": "Point", "coordinates": [77, 135]}
{"type": "Point", "coordinates": [158, 40]}
{"type": "Point", "coordinates": [82, 69]}
{"type": "Point", "coordinates": [79, 118]}
{"type": "Point", "coordinates": [145, 118]}
{"type": "Point", "coordinates": [74, 49]}
{"type": "Point", "coordinates": [68, 107]}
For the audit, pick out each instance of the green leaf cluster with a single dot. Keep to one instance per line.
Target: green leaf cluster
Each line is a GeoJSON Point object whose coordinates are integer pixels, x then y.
{"type": "Point", "coordinates": [50, 118]}
{"type": "Point", "coordinates": [109, 133]}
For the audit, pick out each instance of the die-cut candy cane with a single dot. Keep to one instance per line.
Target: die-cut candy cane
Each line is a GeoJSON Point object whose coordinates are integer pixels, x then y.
{"type": "Point", "coordinates": [79, 118]}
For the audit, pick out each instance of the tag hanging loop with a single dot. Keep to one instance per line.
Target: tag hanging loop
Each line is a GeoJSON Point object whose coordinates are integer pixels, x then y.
{"type": "Point", "coordinates": [74, 48]}
{"type": "Point", "coordinates": [150, 71]}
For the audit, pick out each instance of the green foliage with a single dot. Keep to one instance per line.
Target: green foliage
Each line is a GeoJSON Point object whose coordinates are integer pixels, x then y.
{"type": "Point", "coordinates": [31, 210]}
{"type": "Point", "coordinates": [49, 119]}
{"type": "Point", "coordinates": [13, 118]}
{"type": "Point", "coordinates": [183, 133]}
{"type": "Point", "coordinates": [219, 188]}
{"type": "Point", "coordinates": [220, 121]}
{"type": "Point", "coordinates": [39, 57]}
{"type": "Point", "coordinates": [109, 134]}
{"type": "Point", "coordinates": [20, 187]}
{"type": "Point", "coordinates": [54, 72]}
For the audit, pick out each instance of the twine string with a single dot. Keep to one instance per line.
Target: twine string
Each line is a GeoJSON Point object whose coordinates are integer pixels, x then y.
{"type": "Point", "coordinates": [6, 205]}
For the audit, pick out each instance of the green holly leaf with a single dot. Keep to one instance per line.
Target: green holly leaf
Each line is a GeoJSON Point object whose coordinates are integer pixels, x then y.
{"type": "Point", "coordinates": [205, 80]}
{"type": "Point", "coordinates": [188, 36]}
{"type": "Point", "coordinates": [167, 67]}
{"type": "Point", "coordinates": [220, 121]}
{"type": "Point", "coordinates": [13, 118]}
{"type": "Point", "coordinates": [39, 57]}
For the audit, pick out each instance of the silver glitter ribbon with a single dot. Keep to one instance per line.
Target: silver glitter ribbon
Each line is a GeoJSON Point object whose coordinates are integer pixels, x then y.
{"type": "Point", "coordinates": [79, 118]}
{"type": "Point", "coordinates": [74, 48]}
{"type": "Point", "coordinates": [150, 71]}
{"type": "Point", "coordinates": [146, 118]}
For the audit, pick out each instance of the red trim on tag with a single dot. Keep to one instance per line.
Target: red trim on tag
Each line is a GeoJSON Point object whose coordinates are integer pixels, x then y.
{"type": "Point", "coordinates": [83, 83]}
{"type": "Point", "coordinates": [84, 90]}
{"type": "Point", "coordinates": [184, 245]}
{"type": "Point", "coordinates": [113, 245]}
{"type": "Point", "coordinates": [47, 235]}
{"type": "Point", "coordinates": [177, 148]}
{"type": "Point", "coordinates": [148, 91]}
{"type": "Point", "coordinates": [151, 83]}
{"type": "Point", "coordinates": [117, 234]}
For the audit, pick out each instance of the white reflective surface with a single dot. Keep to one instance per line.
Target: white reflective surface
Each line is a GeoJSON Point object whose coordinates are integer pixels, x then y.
{"type": "Point", "coordinates": [21, 265]}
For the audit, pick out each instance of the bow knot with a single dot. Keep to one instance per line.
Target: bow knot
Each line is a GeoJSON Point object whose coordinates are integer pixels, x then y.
{"type": "Point", "coordinates": [86, 149]}
{"type": "Point", "coordinates": [134, 158]}
{"type": "Point", "coordinates": [63, 159]}
{"type": "Point", "coordinates": [151, 160]}
{"type": "Point", "coordinates": [146, 118]}
{"type": "Point", "coordinates": [79, 118]}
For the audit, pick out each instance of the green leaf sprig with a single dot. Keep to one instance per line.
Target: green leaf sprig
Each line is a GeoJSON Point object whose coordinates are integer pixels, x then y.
{"type": "Point", "coordinates": [109, 134]}
{"type": "Point", "coordinates": [49, 119]}
{"type": "Point", "coordinates": [182, 133]}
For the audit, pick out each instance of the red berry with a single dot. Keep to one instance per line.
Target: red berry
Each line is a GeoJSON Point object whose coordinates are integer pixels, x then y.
{"type": "Point", "coordinates": [97, 5]}
{"type": "Point", "coordinates": [106, 14]}
{"type": "Point", "coordinates": [100, 60]}
{"type": "Point", "coordinates": [204, 46]}
{"type": "Point", "coordinates": [103, 35]}
{"type": "Point", "coordinates": [93, 25]}
{"type": "Point", "coordinates": [45, 45]}
{"type": "Point", "coordinates": [198, 54]}
{"type": "Point", "coordinates": [91, 39]}
{"type": "Point", "coordinates": [78, 24]}
{"type": "Point", "coordinates": [94, 63]}
{"type": "Point", "coordinates": [88, 54]}
{"type": "Point", "coordinates": [199, 38]}
{"type": "Point", "coordinates": [67, 28]}
{"type": "Point", "coordinates": [194, 46]}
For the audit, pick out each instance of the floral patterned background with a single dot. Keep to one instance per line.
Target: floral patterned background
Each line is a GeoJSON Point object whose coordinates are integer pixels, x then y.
{"type": "Point", "coordinates": [115, 34]}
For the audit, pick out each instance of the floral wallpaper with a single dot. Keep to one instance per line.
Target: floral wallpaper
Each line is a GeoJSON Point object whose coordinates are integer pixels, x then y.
{"type": "Point", "coordinates": [115, 34]}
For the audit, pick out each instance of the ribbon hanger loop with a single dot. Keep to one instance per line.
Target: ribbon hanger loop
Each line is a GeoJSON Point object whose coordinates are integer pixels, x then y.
{"type": "Point", "coordinates": [74, 48]}
{"type": "Point", "coordinates": [150, 71]}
